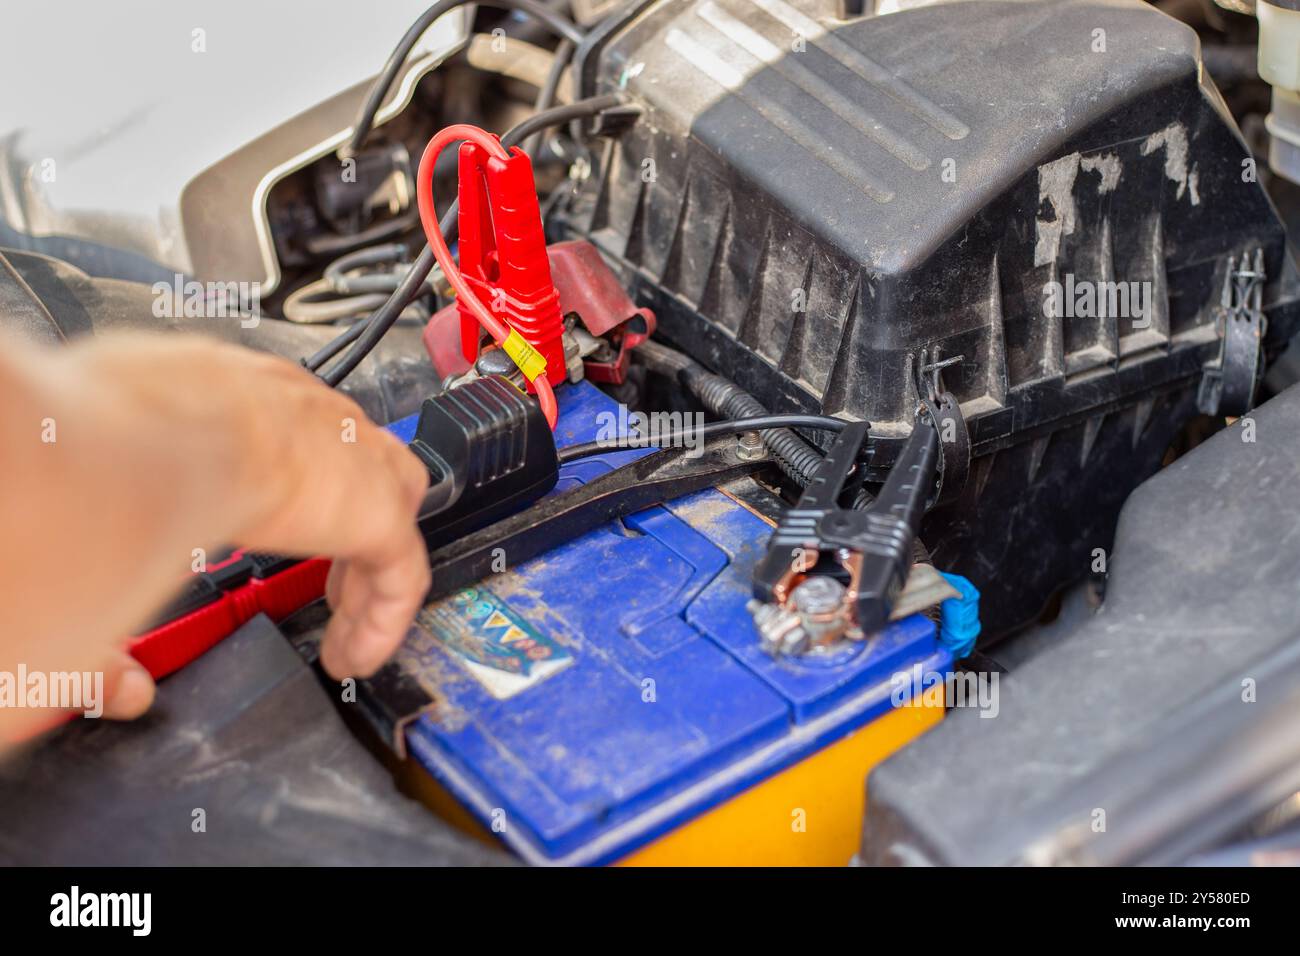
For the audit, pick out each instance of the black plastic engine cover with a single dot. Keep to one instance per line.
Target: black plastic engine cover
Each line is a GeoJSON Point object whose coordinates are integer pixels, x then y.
{"type": "Point", "coordinates": [808, 203]}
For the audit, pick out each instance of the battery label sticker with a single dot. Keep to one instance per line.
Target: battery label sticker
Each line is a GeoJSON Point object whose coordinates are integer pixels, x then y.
{"type": "Point", "coordinates": [502, 650]}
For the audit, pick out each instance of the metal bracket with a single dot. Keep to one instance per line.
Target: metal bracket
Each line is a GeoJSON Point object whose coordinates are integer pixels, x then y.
{"type": "Point", "coordinates": [1228, 382]}
{"type": "Point", "coordinates": [944, 410]}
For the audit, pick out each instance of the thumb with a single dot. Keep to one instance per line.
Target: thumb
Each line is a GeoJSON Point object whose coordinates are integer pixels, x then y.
{"type": "Point", "coordinates": [128, 689]}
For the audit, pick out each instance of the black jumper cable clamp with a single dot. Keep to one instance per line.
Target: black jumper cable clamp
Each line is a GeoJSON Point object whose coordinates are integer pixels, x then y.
{"type": "Point", "coordinates": [833, 573]}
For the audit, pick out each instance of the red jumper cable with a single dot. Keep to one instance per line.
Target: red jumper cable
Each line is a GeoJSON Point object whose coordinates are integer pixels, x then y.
{"type": "Point", "coordinates": [504, 256]}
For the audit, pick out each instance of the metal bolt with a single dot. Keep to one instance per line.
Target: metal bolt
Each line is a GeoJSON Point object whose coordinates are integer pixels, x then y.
{"type": "Point", "coordinates": [818, 594]}
{"type": "Point", "coordinates": [495, 362]}
{"type": "Point", "coordinates": [750, 446]}
{"type": "Point", "coordinates": [775, 626]}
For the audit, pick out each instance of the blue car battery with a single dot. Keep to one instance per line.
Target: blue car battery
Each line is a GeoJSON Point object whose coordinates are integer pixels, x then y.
{"type": "Point", "coordinates": [608, 701]}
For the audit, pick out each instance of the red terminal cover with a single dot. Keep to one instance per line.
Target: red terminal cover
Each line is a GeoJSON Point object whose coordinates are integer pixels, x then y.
{"type": "Point", "coordinates": [587, 286]}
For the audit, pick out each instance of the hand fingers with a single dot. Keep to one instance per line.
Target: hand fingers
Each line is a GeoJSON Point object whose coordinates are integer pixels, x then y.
{"type": "Point", "coordinates": [347, 489]}
{"type": "Point", "coordinates": [334, 582]}
{"type": "Point", "coordinates": [243, 448]}
{"type": "Point", "coordinates": [377, 602]}
{"type": "Point", "coordinates": [376, 592]}
{"type": "Point", "coordinates": [128, 689]}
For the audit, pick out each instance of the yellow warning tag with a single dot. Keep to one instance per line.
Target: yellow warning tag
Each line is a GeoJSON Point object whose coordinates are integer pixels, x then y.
{"type": "Point", "coordinates": [529, 360]}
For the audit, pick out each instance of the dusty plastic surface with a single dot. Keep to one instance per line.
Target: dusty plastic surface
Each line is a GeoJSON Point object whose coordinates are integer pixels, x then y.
{"type": "Point", "coordinates": [248, 734]}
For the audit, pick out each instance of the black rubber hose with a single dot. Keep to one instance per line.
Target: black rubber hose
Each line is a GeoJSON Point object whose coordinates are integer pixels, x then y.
{"type": "Point", "coordinates": [336, 273]}
{"type": "Point", "coordinates": [546, 95]}
{"type": "Point", "coordinates": [558, 115]}
{"type": "Point", "coordinates": [383, 318]}
{"type": "Point", "coordinates": [796, 458]}
{"type": "Point", "coordinates": [729, 400]}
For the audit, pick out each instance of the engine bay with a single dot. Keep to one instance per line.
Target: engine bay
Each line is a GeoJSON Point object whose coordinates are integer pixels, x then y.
{"type": "Point", "coordinates": [828, 407]}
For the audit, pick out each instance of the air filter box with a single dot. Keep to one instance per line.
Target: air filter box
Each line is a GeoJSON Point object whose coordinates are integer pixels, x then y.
{"type": "Point", "coordinates": [1051, 191]}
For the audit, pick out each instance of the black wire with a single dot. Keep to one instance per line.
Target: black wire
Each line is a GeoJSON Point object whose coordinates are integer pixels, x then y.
{"type": "Point", "coordinates": [559, 25]}
{"type": "Point", "coordinates": [559, 115]}
{"type": "Point", "coordinates": [546, 95]}
{"type": "Point", "coordinates": [336, 272]}
{"type": "Point", "coordinates": [335, 345]}
{"type": "Point", "coordinates": [733, 427]}
{"type": "Point", "coordinates": [333, 244]}
{"type": "Point", "coordinates": [363, 336]}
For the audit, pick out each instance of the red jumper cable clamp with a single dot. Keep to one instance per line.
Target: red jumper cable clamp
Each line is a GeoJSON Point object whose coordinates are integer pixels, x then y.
{"type": "Point", "coordinates": [223, 599]}
{"type": "Point", "coordinates": [215, 604]}
{"type": "Point", "coordinates": [503, 255]}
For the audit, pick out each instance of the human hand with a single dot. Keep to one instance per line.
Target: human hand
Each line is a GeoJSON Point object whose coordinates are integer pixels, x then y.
{"type": "Point", "coordinates": [166, 445]}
